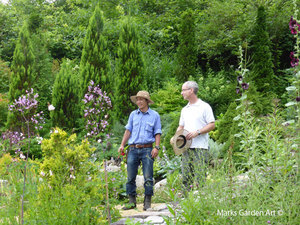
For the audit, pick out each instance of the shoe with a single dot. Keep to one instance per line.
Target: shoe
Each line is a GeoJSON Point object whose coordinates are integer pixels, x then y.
{"type": "Point", "coordinates": [147, 202]}
{"type": "Point", "coordinates": [131, 204]}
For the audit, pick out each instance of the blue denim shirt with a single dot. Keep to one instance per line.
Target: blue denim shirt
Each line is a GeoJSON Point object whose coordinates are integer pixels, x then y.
{"type": "Point", "coordinates": [143, 126]}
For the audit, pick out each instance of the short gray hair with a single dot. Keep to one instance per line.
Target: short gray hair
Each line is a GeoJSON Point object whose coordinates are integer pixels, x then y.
{"type": "Point", "coordinates": [192, 84]}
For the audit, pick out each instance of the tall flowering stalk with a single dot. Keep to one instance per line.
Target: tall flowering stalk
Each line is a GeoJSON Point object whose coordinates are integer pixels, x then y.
{"type": "Point", "coordinates": [25, 107]}
{"type": "Point", "coordinates": [248, 135]}
{"type": "Point", "coordinates": [294, 89]}
{"type": "Point", "coordinates": [96, 112]}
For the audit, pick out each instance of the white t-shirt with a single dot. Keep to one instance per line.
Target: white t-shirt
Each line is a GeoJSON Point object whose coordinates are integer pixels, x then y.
{"type": "Point", "coordinates": [194, 117]}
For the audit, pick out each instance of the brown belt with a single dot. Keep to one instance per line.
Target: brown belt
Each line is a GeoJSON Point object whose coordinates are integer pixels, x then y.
{"type": "Point", "coordinates": [141, 145]}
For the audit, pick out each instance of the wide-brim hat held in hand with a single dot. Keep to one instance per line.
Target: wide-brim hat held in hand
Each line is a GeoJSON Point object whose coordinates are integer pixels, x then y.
{"type": "Point", "coordinates": [179, 142]}
{"type": "Point", "coordinates": [142, 94]}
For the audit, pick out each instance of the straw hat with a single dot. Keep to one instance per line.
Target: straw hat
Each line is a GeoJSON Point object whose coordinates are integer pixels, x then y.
{"type": "Point", "coordinates": [179, 142]}
{"type": "Point", "coordinates": [143, 94]}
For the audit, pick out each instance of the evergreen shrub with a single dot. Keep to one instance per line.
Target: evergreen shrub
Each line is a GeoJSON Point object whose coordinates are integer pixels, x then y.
{"type": "Point", "coordinates": [65, 97]}
{"type": "Point", "coordinates": [216, 90]}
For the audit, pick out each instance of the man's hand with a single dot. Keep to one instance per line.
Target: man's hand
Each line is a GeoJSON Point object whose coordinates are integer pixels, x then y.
{"type": "Point", "coordinates": [192, 135]}
{"type": "Point", "coordinates": [154, 153]}
{"type": "Point", "coordinates": [121, 150]}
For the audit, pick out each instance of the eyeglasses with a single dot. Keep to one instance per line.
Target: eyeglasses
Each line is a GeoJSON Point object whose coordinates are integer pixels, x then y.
{"type": "Point", "coordinates": [186, 89]}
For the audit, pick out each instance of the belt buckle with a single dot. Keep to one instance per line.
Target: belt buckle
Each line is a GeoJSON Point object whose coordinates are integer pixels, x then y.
{"type": "Point", "coordinates": [138, 146]}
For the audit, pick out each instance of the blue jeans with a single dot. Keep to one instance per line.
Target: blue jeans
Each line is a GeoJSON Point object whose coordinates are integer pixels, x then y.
{"type": "Point", "coordinates": [135, 157]}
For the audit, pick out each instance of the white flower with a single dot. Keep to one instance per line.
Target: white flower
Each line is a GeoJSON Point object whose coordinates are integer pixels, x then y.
{"type": "Point", "coordinates": [50, 172]}
{"type": "Point", "coordinates": [72, 176]}
{"type": "Point", "coordinates": [51, 107]}
{"type": "Point", "coordinates": [56, 131]}
{"type": "Point", "coordinates": [39, 140]}
{"type": "Point", "coordinates": [42, 173]}
{"type": "Point", "coordinates": [22, 156]}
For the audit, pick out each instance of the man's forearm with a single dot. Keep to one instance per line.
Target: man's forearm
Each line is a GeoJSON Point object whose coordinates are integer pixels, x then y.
{"type": "Point", "coordinates": [157, 139]}
{"type": "Point", "coordinates": [126, 137]}
{"type": "Point", "coordinates": [209, 127]}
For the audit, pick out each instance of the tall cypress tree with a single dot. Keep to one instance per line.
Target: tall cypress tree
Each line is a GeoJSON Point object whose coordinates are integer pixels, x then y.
{"type": "Point", "coordinates": [22, 68]}
{"type": "Point", "coordinates": [130, 68]}
{"type": "Point", "coordinates": [262, 73]}
{"type": "Point", "coordinates": [186, 52]}
{"type": "Point", "coordinates": [95, 64]}
{"type": "Point", "coordinates": [65, 97]}
{"type": "Point", "coordinates": [23, 73]}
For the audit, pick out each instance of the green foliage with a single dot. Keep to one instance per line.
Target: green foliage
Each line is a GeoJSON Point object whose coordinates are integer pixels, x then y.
{"type": "Point", "coordinates": [5, 74]}
{"type": "Point", "coordinates": [5, 162]}
{"type": "Point", "coordinates": [158, 69]}
{"type": "Point", "coordinates": [168, 98]}
{"type": "Point", "coordinates": [216, 90]}
{"type": "Point", "coordinates": [66, 187]}
{"type": "Point", "coordinates": [186, 52]}
{"type": "Point", "coordinates": [95, 63]}
{"type": "Point", "coordinates": [23, 73]}
{"type": "Point", "coordinates": [3, 109]}
{"type": "Point", "coordinates": [262, 73]}
{"type": "Point", "coordinates": [130, 67]}
{"type": "Point", "coordinates": [64, 157]}
{"type": "Point", "coordinates": [225, 125]}
{"type": "Point", "coordinates": [170, 123]}
{"type": "Point", "coordinates": [65, 97]}
{"type": "Point", "coordinates": [44, 80]}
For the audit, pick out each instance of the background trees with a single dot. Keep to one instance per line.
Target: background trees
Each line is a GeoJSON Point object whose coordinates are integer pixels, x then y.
{"type": "Point", "coordinates": [129, 69]}
{"type": "Point", "coordinates": [95, 64]}
{"type": "Point", "coordinates": [65, 97]}
{"type": "Point", "coordinates": [125, 46]}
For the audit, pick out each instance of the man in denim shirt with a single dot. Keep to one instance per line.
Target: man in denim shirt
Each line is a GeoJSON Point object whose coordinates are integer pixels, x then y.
{"type": "Point", "coordinates": [142, 130]}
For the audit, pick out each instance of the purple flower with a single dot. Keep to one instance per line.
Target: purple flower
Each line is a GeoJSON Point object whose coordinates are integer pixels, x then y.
{"type": "Point", "coordinates": [245, 86]}
{"type": "Point", "coordinates": [240, 79]}
{"type": "Point", "coordinates": [97, 104]}
{"type": "Point", "coordinates": [294, 61]}
{"type": "Point", "coordinates": [293, 25]}
{"type": "Point", "coordinates": [238, 90]}
{"type": "Point", "coordinates": [298, 99]}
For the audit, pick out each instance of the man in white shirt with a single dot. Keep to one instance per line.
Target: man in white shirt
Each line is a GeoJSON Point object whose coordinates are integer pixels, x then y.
{"type": "Point", "coordinates": [198, 119]}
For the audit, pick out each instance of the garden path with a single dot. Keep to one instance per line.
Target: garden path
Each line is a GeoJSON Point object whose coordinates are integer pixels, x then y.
{"type": "Point", "coordinates": [152, 216]}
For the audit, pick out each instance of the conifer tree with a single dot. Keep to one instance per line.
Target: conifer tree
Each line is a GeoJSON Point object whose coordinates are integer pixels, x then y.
{"type": "Point", "coordinates": [186, 53]}
{"type": "Point", "coordinates": [262, 73]}
{"type": "Point", "coordinates": [65, 97]}
{"type": "Point", "coordinates": [22, 66]}
{"type": "Point", "coordinates": [23, 73]}
{"type": "Point", "coordinates": [130, 69]}
{"type": "Point", "coordinates": [95, 64]}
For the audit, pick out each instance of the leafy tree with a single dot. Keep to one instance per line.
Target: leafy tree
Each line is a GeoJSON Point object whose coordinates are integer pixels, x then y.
{"type": "Point", "coordinates": [186, 52]}
{"type": "Point", "coordinates": [129, 69]}
{"type": "Point", "coordinates": [65, 97]}
{"type": "Point", "coordinates": [262, 66]}
{"type": "Point", "coordinates": [95, 63]}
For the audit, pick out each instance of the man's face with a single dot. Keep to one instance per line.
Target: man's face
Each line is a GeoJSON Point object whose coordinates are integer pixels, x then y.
{"type": "Point", "coordinates": [141, 103]}
{"type": "Point", "coordinates": [186, 92]}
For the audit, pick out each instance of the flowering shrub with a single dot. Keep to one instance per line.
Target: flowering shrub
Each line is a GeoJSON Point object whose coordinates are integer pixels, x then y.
{"type": "Point", "coordinates": [66, 169]}
{"type": "Point", "coordinates": [97, 104]}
